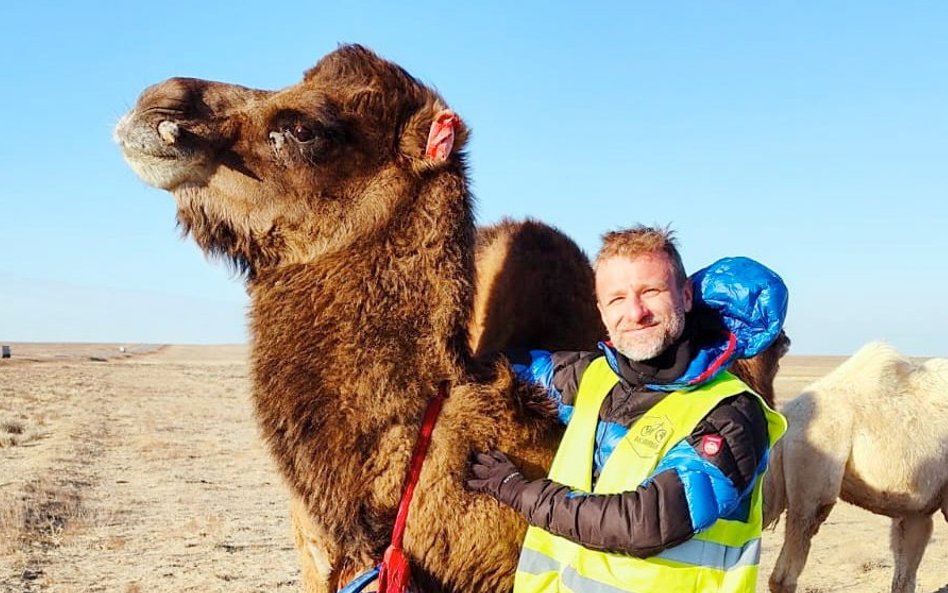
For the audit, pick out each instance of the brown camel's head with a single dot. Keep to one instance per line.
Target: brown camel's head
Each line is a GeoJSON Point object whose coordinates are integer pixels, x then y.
{"type": "Point", "coordinates": [271, 177]}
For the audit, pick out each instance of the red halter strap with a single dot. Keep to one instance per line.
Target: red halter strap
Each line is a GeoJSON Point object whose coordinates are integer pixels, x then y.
{"type": "Point", "coordinates": [394, 572]}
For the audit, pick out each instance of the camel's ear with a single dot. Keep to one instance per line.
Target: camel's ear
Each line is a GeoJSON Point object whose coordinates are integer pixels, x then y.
{"type": "Point", "coordinates": [431, 135]}
{"type": "Point", "coordinates": [441, 135]}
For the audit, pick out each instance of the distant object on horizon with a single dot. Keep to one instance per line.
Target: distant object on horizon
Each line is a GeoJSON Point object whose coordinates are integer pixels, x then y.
{"type": "Point", "coordinates": [6, 351]}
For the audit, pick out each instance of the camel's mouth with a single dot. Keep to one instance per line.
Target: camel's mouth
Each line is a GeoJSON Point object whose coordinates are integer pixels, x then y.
{"type": "Point", "coordinates": [157, 152]}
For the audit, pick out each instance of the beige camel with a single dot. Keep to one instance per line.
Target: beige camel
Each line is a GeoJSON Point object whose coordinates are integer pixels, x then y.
{"type": "Point", "coordinates": [873, 432]}
{"type": "Point", "coordinates": [344, 199]}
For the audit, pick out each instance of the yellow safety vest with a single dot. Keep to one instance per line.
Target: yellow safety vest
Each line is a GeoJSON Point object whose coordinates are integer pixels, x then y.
{"type": "Point", "coordinates": [721, 559]}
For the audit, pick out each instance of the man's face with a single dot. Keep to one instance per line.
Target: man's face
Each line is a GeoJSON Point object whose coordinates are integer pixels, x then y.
{"type": "Point", "coordinates": [641, 303]}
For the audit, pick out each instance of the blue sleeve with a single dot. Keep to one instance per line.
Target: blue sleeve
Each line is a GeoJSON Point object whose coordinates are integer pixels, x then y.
{"type": "Point", "coordinates": [710, 495]}
{"type": "Point", "coordinates": [537, 367]}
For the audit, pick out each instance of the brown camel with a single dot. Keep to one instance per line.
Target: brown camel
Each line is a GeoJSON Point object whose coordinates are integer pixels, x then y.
{"type": "Point", "coordinates": [357, 240]}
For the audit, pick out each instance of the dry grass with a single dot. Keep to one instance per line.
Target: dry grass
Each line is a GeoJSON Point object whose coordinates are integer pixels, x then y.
{"type": "Point", "coordinates": [11, 427]}
{"type": "Point", "coordinates": [43, 515]}
{"type": "Point", "coordinates": [16, 432]}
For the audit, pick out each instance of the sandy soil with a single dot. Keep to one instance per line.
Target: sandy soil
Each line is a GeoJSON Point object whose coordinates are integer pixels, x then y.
{"type": "Point", "coordinates": [141, 471]}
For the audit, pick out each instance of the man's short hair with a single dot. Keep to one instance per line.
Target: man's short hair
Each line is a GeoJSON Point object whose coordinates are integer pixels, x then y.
{"type": "Point", "coordinates": [642, 240]}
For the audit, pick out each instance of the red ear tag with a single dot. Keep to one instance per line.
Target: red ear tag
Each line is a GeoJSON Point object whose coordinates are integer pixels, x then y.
{"type": "Point", "coordinates": [711, 444]}
{"type": "Point", "coordinates": [441, 136]}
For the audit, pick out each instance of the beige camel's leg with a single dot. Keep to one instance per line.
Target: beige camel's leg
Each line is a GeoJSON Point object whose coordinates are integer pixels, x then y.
{"type": "Point", "coordinates": [910, 535]}
{"type": "Point", "coordinates": [815, 451]}
{"type": "Point", "coordinates": [800, 529]}
{"type": "Point", "coordinates": [316, 566]}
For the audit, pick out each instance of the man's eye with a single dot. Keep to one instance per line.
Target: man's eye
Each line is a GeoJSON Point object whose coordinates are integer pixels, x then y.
{"type": "Point", "coordinates": [301, 133]}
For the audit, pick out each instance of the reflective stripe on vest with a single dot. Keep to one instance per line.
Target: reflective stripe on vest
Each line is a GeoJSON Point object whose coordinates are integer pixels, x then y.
{"type": "Point", "coordinates": [722, 558]}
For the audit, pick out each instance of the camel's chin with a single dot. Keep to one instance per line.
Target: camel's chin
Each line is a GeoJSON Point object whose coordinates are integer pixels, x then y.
{"type": "Point", "coordinates": [161, 171]}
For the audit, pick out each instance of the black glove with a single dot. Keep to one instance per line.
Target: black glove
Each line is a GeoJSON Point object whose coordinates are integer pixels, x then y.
{"type": "Point", "coordinates": [494, 474]}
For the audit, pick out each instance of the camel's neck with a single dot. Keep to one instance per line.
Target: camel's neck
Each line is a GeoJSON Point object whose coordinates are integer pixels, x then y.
{"type": "Point", "coordinates": [390, 310]}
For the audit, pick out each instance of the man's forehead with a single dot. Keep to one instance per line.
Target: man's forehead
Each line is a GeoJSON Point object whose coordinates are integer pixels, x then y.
{"type": "Point", "coordinates": [641, 261]}
{"type": "Point", "coordinates": [621, 272]}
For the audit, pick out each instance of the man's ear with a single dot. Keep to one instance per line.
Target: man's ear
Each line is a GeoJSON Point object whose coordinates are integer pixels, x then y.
{"type": "Point", "coordinates": [431, 135]}
{"type": "Point", "coordinates": [687, 294]}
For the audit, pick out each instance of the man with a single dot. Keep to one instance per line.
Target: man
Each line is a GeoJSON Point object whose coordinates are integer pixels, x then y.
{"type": "Point", "coordinates": [656, 483]}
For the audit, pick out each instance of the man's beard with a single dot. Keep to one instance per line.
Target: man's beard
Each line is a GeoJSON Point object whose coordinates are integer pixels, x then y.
{"type": "Point", "coordinates": [651, 343]}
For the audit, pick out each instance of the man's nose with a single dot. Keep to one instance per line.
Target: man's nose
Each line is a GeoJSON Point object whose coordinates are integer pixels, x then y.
{"type": "Point", "coordinates": [635, 310]}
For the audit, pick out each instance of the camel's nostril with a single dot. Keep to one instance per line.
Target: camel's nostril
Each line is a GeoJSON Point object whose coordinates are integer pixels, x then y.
{"type": "Point", "coordinates": [168, 131]}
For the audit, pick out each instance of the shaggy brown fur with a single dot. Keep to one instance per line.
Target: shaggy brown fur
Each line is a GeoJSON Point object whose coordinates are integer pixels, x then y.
{"type": "Point", "coordinates": [359, 258]}
{"type": "Point", "coordinates": [539, 284]}
{"type": "Point", "coordinates": [759, 372]}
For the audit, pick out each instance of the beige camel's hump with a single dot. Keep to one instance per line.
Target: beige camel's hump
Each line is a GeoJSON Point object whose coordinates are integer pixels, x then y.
{"type": "Point", "coordinates": [898, 411]}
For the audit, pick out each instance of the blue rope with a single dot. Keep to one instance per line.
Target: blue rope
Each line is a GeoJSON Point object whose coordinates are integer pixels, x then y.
{"type": "Point", "coordinates": [360, 582]}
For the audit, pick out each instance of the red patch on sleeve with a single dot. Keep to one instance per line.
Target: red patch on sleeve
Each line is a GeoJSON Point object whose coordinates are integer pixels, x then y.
{"type": "Point", "coordinates": [711, 444]}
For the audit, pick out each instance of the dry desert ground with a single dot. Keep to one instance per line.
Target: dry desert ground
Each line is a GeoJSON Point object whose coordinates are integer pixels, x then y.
{"type": "Point", "coordinates": [138, 469]}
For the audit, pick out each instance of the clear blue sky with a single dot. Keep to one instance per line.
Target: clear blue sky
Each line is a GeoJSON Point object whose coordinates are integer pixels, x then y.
{"type": "Point", "coordinates": [812, 136]}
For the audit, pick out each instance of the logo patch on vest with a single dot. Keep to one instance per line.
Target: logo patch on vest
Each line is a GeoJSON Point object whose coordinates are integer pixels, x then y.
{"type": "Point", "coordinates": [651, 434]}
{"type": "Point", "coordinates": [711, 444]}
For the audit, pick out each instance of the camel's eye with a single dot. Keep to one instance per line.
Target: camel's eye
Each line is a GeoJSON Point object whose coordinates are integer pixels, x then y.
{"type": "Point", "coordinates": [301, 133]}
{"type": "Point", "coordinates": [313, 131]}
